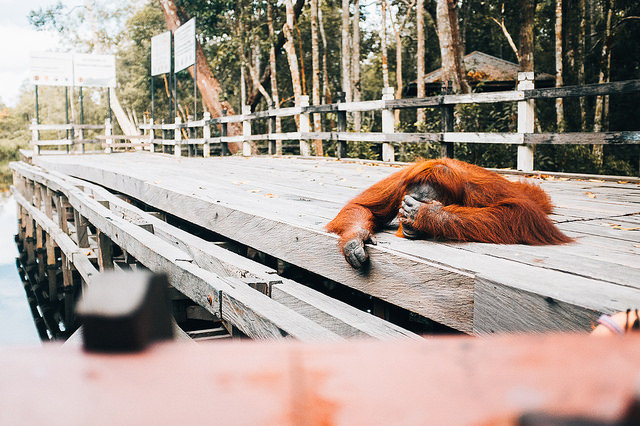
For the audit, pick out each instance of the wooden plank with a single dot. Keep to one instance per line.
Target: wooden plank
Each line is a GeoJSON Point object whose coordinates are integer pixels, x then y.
{"type": "Point", "coordinates": [438, 292]}
{"type": "Point", "coordinates": [583, 138]}
{"type": "Point", "coordinates": [557, 286]}
{"type": "Point", "coordinates": [339, 317]}
{"type": "Point", "coordinates": [598, 89]}
{"type": "Point", "coordinates": [333, 314]}
{"type": "Point", "coordinates": [253, 313]}
{"type": "Point", "coordinates": [68, 247]}
{"type": "Point", "coordinates": [500, 308]}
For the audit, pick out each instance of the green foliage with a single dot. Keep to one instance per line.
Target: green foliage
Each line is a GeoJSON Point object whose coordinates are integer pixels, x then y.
{"type": "Point", "coordinates": [228, 28]}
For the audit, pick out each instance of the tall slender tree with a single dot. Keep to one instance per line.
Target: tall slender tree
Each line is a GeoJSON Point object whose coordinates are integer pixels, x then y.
{"type": "Point", "coordinates": [398, 27]}
{"type": "Point", "coordinates": [383, 44]}
{"type": "Point", "coordinates": [527, 16]}
{"type": "Point", "coordinates": [420, 60]}
{"type": "Point", "coordinates": [450, 48]}
{"type": "Point", "coordinates": [355, 62]}
{"type": "Point", "coordinates": [346, 52]}
{"type": "Point", "coordinates": [558, 38]}
{"type": "Point", "coordinates": [315, 73]}
{"type": "Point", "coordinates": [326, 92]}
{"type": "Point", "coordinates": [275, 98]}
{"type": "Point", "coordinates": [290, 48]}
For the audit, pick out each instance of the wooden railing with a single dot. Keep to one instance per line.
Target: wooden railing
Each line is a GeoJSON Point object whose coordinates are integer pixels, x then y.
{"type": "Point", "coordinates": [178, 135]}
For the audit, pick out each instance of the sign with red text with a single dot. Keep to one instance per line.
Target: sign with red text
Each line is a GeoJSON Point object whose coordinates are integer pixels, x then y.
{"type": "Point", "coordinates": [51, 69]}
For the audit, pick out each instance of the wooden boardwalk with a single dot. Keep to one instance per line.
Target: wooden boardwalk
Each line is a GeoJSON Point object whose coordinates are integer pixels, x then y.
{"type": "Point", "coordinates": [280, 205]}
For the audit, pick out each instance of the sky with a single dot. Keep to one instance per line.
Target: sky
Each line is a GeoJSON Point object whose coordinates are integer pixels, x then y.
{"type": "Point", "coordinates": [18, 38]}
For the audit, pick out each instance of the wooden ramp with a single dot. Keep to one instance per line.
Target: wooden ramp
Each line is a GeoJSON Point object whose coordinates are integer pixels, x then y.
{"type": "Point", "coordinates": [280, 205]}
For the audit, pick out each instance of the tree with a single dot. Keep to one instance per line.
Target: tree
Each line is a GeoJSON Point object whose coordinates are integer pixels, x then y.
{"type": "Point", "coordinates": [355, 63]}
{"type": "Point", "coordinates": [558, 58]}
{"type": "Point", "coordinates": [315, 73]}
{"type": "Point", "coordinates": [207, 84]}
{"type": "Point", "coordinates": [420, 56]}
{"type": "Point", "coordinates": [527, 8]}
{"type": "Point", "coordinates": [346, 52]}
{"type": "Point", "coordinates": [450, 49]}
{"type": "Point", "coordinates": [398, 27]}
{"type": "Point", "coordinates": [289, 47]}
{"type": "Point", "coordinates": [273, 73]}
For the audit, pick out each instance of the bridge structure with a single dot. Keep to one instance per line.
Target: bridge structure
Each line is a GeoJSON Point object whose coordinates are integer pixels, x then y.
{"type": "Point", "coordinates": [242, 239]}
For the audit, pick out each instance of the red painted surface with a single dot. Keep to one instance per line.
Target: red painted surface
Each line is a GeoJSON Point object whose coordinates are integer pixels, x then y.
{"type": "Point", "coordinates": [446, 380]}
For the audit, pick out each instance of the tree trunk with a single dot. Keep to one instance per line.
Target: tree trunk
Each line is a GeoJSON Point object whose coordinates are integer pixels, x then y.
{"type": "Point", "coordinates": [315, 74]}
{"type": "Point", "coordinates": [355, 63]}
{"type": "Point", "coordinates": [383, 44]}
{"type": "Point", "coordinates": [346, 53]}
{"type": "Point", "coordinates": [558, 35]}
{"type": "Point", "coordinates": [255, 96]}
{"type": "Point", "coordinates": [326, 93]}
{"type": "Point", "coordinates": [581, 60]}
{"type": "Point", "coordinates": [450, 49]}
{"type": "Point", "coordinates": [603, 77]}
{"type": "Point", "coordinates": [527, 13]}
{"type": "Point", "coordinates": [290, 48]}
{"type": "Point", "coordinates": [398, 27]}
{"type": "Point", "coordinates": [207, 84]}
{"type": "Point", "coordinates": [420, 61]}
{"type": "Point", "coordinates": [275, 99]}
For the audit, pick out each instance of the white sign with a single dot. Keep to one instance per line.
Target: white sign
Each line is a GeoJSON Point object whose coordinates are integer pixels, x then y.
{"type": "Point", "coordinates": [184, 45]}
{"type": "Point", "coordinates": [161, 53]}
{"type": "Point", "coordinates": [94, 70]}
{"type": "Point", "coordinates": [51, 69]}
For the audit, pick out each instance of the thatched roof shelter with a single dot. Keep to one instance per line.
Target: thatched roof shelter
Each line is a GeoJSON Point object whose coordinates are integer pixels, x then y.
{"type": "Point", "coordinates": [488, 72]}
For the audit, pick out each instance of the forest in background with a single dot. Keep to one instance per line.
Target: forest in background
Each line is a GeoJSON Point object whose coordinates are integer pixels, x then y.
{"type": "Point", "coordinates": [322, 47]}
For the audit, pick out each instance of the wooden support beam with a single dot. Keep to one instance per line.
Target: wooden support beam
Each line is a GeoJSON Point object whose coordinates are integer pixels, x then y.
{"type": "Point", "coordinates": [105, 252]}
{"type": "Point", "coordinates": [330, 313]}
{"type": "Point", "coordinates": [82, 235]}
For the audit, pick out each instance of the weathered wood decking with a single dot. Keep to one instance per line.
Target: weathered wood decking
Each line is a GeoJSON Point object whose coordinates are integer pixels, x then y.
{"type": "Point", "coordinates": [280, 205]}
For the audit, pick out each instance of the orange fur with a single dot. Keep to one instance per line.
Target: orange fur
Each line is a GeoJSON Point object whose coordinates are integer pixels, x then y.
{"type": "Point", "coordinates": [477, 205]}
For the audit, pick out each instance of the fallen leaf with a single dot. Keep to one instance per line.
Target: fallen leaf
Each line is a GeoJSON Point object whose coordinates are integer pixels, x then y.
{"type": "Point", "coordinates": [590, 194]}
{"type": "Point", "coordinates": [270, 196]}
{"type": "Point", "coordinates": [254, 190]}
{"type": "Point", "coordinates": [237, 182]}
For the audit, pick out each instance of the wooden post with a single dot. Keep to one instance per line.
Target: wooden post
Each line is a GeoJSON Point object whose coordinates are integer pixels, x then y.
{"type": "Point", "coordinates": [446, 111]}
{"type": "Point", "coordinates": [341, 147]}
{"type": "Point", "coordinates": [35, 137]}
{"type": "Point", "coordinates": [67, 284]}
{"type": "Point", "coordinates": [81, 139]}
{"type": "Point", "coordinates": [82, 237]}
{"type": "Point", "coordinates": [190, 135]}
{"type": "Point", "coordinates": [273, 146]}
{"type": "Point", "coordinates": [246, 131]}
{"type": "Point", "coordinates": [388, 125]}
{"type": "Point", "coordinates": [152, 135]}
{"type": "Point", "coordinates": [51, 268]}
{"type": "Point", "coordinates": [105, 252]}
{"type": "Point", "coordinates": [108, 130]}
{"type": "Point", "coordinates": [177, 147]}
{"type": "Point", "coordinates": [224, 131]}
{"type": "Point", "coordinates": [206, 134]}
{"type": "Point", "coordinates": [305, 147]}
{"type": "Point", "coordinates": [526, 121]}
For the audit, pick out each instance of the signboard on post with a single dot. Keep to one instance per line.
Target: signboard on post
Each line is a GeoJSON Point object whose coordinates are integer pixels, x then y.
{"type": "Point", "coordinates": [94, 70]}
{"type": "Point", "coordinates": [184, 45]}
{"type": "Point", "coordinates": [51, 69]}
{"type": "Point", "coordinates": [161, 53]}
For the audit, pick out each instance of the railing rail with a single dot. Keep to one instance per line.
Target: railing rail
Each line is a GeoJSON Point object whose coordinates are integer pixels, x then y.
{"type": "Point", "coordinates": [186, 134]}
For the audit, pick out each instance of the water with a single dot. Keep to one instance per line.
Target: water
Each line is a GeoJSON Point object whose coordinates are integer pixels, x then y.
{"type": "Point", "coordinates": [16, 322]}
